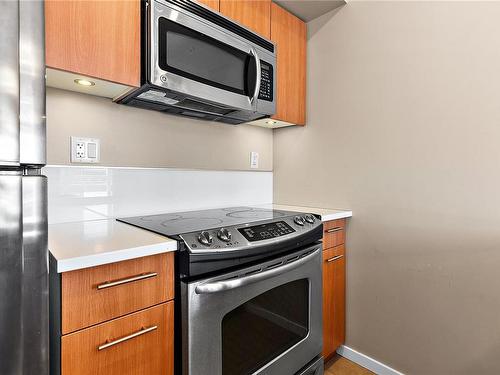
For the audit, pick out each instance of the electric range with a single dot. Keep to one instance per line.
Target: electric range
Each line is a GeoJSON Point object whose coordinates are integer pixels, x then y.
{"type": "Point", "coordinates": [248, 290]}
{"type": "Point", "coordinates": [217, 239]}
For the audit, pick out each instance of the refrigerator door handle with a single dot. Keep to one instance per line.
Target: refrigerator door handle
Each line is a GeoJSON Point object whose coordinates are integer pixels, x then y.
{"type": "Point", "coordinates": [32, 83]}
{"type": "Point", "coordinates": [11, 272]}
{"type": "Point", "coordinates": [9, 84]}
{"type": "Point", "coordinates": [35, 290]}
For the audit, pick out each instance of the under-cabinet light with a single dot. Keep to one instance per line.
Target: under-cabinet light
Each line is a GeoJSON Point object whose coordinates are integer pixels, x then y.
{"type": "Point", "coordinates": [84, 82]}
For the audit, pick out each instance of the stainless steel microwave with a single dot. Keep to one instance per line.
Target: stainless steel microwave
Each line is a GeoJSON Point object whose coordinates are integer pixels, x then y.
{"type": "Point", "coordinates": [197, 63]}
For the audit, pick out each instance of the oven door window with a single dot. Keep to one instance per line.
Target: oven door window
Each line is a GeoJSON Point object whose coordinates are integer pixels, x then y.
{"type": "Point", "coordinates": [193, 55]}
{"type": "Point", "coordinates": [264, 327]}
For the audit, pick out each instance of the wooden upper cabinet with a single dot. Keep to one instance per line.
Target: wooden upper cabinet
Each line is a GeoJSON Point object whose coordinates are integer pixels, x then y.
{"type": "Point", "coordinates": [289, 34]}
{"type": "Point", "coordinates": [253, 14]}
{"type": "Point", "coordinates": [214, 4]}
{"type": "Point", "coordinates": [94, 38]}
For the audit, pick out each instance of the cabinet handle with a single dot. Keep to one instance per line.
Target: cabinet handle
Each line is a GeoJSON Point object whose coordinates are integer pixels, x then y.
{"type": "Point", "coordinates": [110, 284]}
{"type": "Point", "coordinates": [143, 331]}
{"type": "Point", "coordinates": [336, 229]}
{"type": "Point", "coordinates": [334, 258]}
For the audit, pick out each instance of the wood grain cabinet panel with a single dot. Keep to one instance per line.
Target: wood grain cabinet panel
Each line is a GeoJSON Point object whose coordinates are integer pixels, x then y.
{"type": "Point", "coordinates": [333, 233]}
{"type": "Point", "coordinates": [289, 34]}
{"type": "Point", "coordinates": [214, 4]}
{"type": "Point", "coordinates": [94, 38]}
{"type": "Point", "coordinates": [333, 299]}
{"type": "Point", "coordinates": [94, 295]}
{"type": "Point", "coordinates": [253, 14]}
{"type": "Point", "coordinates": [141, 343]}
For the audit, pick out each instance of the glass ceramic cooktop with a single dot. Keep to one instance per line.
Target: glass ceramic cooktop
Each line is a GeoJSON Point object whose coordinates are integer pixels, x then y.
{"type": "Point", "coordinates": [191, 221]}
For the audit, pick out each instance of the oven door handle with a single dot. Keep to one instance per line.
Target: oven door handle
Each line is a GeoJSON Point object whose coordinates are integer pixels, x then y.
{"type": "Point", "coordinates": [256, 91]}
{"type": "Point", "coordinates": [223, 285]}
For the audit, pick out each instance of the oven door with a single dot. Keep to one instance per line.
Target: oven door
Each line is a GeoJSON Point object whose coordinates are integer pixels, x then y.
{"type": "Point", "coordinates": [189, 55]}
{"type": "Point", "coordinates": [265, 319]}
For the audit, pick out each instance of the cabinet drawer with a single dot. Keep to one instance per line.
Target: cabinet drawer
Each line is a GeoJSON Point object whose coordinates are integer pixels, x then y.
{"type": "Point", "coordinates": [333, 233]}
{"type": "Point", "coordinates": [137, 344]}
{"type": "Point", "coordinates": [336, 252]}
{"type": "Point", "coordinates": [94, 295]}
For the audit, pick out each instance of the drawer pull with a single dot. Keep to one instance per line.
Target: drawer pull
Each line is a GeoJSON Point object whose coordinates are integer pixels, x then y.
{"type": "Point", "coordinates": [125, 281]}
{"type": "Point", "coordinates": [143, 331]}
{"type": "Point", "coordinates": [334, 258]}
{"type": "Point", "coordinates": [335, 229]}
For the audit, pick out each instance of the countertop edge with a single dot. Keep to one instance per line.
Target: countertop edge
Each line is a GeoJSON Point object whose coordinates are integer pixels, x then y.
{"type": "Point", "coordinates": [326, 214]}
{"type": "Point", "coordinates": [113, 256]}
{"type": "Point", "coordinates": [336, 216]}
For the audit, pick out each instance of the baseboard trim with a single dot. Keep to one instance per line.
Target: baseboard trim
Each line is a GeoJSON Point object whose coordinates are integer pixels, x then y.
{"type": "Point", "coordinates": [367, 362]}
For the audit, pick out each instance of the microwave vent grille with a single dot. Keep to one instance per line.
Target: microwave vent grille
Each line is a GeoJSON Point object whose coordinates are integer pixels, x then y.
{"type": "Point", "coordinates": [204, 107]}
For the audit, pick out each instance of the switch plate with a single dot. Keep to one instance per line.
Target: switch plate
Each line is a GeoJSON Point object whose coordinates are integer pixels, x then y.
{"type": "Point", "coordinates": [254, 160]}
{"type": "Point", "coordinates": [85, 150]}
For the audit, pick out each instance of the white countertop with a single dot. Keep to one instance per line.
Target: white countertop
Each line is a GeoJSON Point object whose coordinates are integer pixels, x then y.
{"type": "Point", "coordinates": [85, 244]}
{"type": "Point", "coordinates": [326, 214]}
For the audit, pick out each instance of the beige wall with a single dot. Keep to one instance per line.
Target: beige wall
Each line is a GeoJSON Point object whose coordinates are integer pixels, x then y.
{"type": "Point", "coordinates": [404, 128]}
{"type": "Point", "coordinates": [134, 137]}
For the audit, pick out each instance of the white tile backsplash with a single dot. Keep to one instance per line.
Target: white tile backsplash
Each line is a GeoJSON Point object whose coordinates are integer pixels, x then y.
{"type": "Point", "coordinates": [90, 193]}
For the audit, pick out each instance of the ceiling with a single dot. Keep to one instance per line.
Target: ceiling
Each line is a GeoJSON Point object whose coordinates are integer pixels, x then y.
{"type": "Point", "coordinates": [308, 10]}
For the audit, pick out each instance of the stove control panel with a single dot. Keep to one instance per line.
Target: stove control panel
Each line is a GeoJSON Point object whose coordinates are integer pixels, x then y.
{"type": "Point", "coordinates": [237, 237]}
{"type": "Point", "coordinates": [266, 231]}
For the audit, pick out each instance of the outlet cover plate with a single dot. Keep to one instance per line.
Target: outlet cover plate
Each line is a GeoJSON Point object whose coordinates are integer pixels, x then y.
{"type": "Point", "coordinates": [80, 148]}
{"type": "Point", "coordinates": [254, 160]}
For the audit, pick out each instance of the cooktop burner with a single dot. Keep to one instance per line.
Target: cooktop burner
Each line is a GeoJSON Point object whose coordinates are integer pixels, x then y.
{"type": "Point", "coordinates": [184, 222]}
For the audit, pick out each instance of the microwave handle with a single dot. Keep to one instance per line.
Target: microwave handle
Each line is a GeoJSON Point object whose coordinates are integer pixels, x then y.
{"type": "Point", "coordinates": [223, 285]}
{"type": "Point", "coordinates": [253, 52]}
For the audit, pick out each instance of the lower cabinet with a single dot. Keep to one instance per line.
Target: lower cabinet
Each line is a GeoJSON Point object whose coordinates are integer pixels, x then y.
{"type": "Point", "coordinates": [333, 299]}
{"type": "Point", "coordinates": [113, 319]}
{"type": "Point", "coordinates": [140, 343]}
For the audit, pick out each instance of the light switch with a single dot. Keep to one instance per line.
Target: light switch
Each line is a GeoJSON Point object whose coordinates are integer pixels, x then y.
{"type": "Point", "coordinates": [91, 150]}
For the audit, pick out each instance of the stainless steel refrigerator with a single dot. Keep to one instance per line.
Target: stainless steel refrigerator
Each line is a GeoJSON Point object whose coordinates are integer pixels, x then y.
{"type": "Point", "coordinates": [24, 322]}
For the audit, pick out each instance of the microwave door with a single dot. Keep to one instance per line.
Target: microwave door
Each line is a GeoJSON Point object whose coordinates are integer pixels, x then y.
{"type": "Point", "coordinates": [192, 57]}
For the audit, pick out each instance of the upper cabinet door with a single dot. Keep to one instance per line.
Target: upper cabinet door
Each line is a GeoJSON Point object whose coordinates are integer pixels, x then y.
{"type": "Point", "coordinates": [94, 38]}
{"type": "Point", "coordinates": [214, 4]}
{"type": "Point", "coordinates": [289, 34]}
{"type": "Point", "coordinates": [253, 14]}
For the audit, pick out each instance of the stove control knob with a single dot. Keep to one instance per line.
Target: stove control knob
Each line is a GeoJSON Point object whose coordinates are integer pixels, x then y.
{"type": "Point", "coordinates": [310, 218]}
{"type": "Point", "coordinates": [224, 235]}
{"type": "Point", "coordinates": [205, 238]}
{"type": "Point", "coordinates": [299, 220]}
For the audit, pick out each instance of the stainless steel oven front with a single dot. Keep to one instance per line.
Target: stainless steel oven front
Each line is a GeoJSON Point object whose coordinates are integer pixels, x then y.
{"type": "Point", "coordinates": [199, 55]}
{"type": "Point", "coordinates": [263, 319]}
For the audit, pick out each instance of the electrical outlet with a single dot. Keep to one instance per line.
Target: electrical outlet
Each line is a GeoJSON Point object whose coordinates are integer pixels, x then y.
{"type": "Point", "coordinates": [85, 150]}
{"type": "Point", "coordinates": [80, 150]}
{"type": "Point", "coordinates": [254, 159]}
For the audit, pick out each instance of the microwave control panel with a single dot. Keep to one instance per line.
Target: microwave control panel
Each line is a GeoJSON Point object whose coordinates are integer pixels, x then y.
{"type": "Point", "coordinates": [266, 81]}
